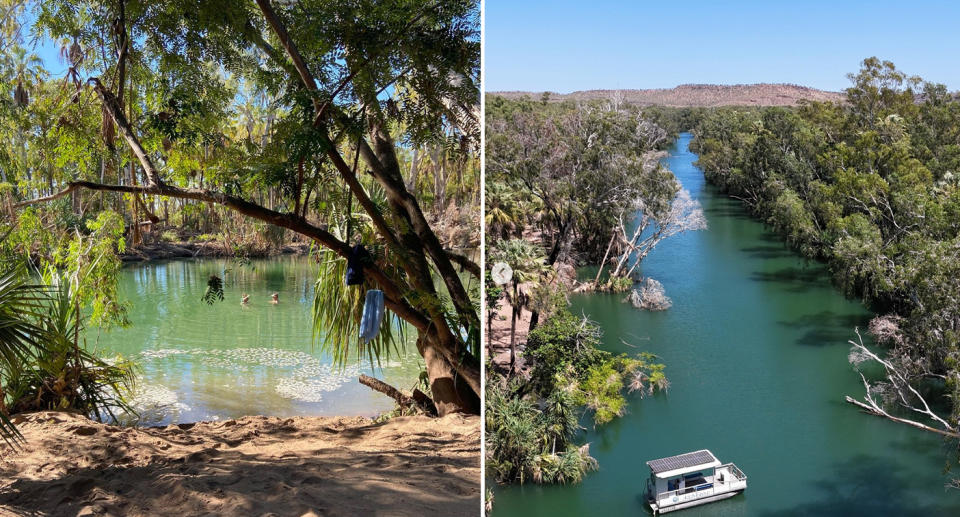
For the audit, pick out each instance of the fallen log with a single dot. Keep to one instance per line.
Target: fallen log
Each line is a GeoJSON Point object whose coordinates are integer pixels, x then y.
{"type": "Point", "coordinates": [421, 401]}
{"type": "Point", "coordinates": [876, 411]}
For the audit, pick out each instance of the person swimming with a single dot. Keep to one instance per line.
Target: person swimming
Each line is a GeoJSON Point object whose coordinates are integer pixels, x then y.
{"type": "Point", "coordinates": [245, 299]}
{"type": "Point", "coordinates": [275, 298]}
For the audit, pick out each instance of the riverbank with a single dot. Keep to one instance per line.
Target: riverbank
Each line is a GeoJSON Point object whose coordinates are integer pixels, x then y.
{"type": "Point", "coordinates": [453, 226]}
{"type": "Point", "coordinates": [253, 465]}
{"type": "Point", "coordinates": [212, 248]}
{"type": "Point", "coordinates": [757, 355]}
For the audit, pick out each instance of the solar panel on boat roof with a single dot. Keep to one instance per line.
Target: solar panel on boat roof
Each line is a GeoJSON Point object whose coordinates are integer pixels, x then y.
{"type": "Point", "coordinates": [682, 461]}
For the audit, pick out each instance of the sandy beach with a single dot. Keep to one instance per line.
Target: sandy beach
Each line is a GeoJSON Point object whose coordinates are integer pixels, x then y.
{"type": "Point", "coordinates": [302, 466]}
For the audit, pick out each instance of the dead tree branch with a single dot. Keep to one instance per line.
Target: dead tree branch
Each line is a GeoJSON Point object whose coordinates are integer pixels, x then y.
{"type": "Point", "coordinates": [902, 389]}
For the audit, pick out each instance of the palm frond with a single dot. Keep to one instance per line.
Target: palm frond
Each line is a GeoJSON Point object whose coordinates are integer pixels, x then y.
{"type": "Point", "coordinates": [21, 303]}
{"type": "Point", "coordinates": [337, 310]}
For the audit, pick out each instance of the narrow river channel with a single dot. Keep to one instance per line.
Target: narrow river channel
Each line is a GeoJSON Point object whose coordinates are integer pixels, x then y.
{"type": "Point", "coordinates": [755, 347]}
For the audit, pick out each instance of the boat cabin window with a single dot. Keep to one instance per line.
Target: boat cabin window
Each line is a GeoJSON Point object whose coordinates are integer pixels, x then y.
{"type": "Point", "coordinates": [693, 479]}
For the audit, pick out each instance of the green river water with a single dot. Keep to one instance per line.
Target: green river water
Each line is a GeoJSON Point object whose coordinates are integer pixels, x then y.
{"type": "Point", "coordinates": [755, 348]}
{"type": "Point", "coordinates": [221, 361]}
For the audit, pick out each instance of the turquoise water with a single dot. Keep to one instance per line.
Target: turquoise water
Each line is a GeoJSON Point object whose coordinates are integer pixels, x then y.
{"type": "Point", "coordinates": [755, 347]}
{"type": "Point", "coordinates": [221, 361]}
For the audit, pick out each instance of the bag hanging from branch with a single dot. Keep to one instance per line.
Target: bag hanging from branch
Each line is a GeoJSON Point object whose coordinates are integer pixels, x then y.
{"type": "Point", "coordinates": [372, 315]}
{"type": "Point", "coordinates": [355, 261]}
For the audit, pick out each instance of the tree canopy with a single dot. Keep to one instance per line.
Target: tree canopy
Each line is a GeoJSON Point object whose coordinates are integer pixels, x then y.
{"type": "Point", "coordinates": [348, 123]}
{"type": "Point", "coordinates": [869, 185]}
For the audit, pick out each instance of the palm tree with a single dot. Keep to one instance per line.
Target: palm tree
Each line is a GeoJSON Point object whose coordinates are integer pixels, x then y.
{"type": "Point", "coordinates": [524, 442]}
{"type": "Point", "coordinates": [527, 262]}
{"type": "Point", "coordinates": [27, 67]}
{"type": "Point", "coordinates": [512, 432]}
{"type": "Point", "coordinates": [26, 71]}
{"type": "Point", "coordinates": [338, 308]}
{"type": "Point", "coordinates": [42, 363]}
{"type": "Point", "coordinates": [61, 372]}
{"type": "Point", "coordinates": [502, 214]}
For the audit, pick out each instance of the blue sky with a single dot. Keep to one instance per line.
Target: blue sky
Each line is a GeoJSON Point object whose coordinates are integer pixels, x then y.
{"type": "Point", "coordinates": [565, 46]}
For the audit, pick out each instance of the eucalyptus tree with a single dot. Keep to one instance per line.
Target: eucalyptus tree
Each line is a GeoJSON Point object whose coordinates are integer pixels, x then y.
{"type": "Point", "coordinates": [584, 164]}
{"type": "Point", "coordinates": [529, 148]}
{"type": "Point", "coordinates": [162, 72]}
{"type": "Point", "coordinates": [868, 185]}
{"type": "Point", "coordinates": [652, 224]}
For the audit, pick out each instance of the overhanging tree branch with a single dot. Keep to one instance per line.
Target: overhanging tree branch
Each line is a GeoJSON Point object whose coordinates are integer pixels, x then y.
{"type": "Point", "coordinates": [394, 294]}
{"type": "Point", "coordinates": [468, 265]}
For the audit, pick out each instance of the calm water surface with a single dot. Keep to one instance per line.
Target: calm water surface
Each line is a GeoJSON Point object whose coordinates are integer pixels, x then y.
{"type": "Point", "coordinates": [755, 348]}
{"type": "Point", "coordinates": [208, 362]}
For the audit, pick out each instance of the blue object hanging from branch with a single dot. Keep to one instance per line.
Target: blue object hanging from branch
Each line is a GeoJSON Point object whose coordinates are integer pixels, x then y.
{"type": "Point", "coordinates": [355, 261]}
{"type": "Point", "coordinates": [372, 315]}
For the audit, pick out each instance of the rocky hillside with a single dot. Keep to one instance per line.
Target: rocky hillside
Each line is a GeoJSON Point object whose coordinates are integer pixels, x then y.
{"type": "Point", "coordinates": [699, 95]}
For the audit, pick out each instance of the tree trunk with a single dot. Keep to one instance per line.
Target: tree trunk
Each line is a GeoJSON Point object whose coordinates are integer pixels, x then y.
{"type": "Point", "coordinates": [414, 172]}
{"type": "Point", "coordinates": [135, 209]}
{"type": "Point", "coordinates": [74, 202]}
{"type": "Point", "coordinates": [451, 393]}
{"type": "Point", "coordinates": [596, 281]}
{"type": "Point", "coordinates": [558, 244]}
{"type": "Point", "coordinates": [513, 328]}
{"type": "Point", "coordinates": [630, 247]}
{"type": "Point", "coordinates": [490, 317]}
{"type": "Point", "coordinates": [534, 320]}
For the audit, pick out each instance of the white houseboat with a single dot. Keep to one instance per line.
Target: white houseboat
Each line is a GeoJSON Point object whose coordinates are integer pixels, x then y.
{"type": "Point", "coordinates": [691, 479]}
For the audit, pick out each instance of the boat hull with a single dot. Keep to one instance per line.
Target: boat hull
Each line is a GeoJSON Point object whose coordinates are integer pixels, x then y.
{"type": "Point", "coordinates": [690, 504]}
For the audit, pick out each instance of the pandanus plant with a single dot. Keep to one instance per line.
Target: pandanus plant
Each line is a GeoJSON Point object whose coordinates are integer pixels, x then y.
{"type": "Point", "coordinates": [43, 364]}
{"type": "Point", "coordinates": [21, 305]}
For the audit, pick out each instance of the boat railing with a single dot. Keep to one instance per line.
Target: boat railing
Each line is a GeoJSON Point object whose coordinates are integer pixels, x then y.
{"type": "Point", "coordinates": [686, 490]}
{"type": "Point", "coordinates": [734, 470]}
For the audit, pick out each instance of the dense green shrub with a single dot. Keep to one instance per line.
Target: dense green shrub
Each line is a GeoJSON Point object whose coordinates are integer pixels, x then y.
{"type": "Point", "coordinates": [531, 424]}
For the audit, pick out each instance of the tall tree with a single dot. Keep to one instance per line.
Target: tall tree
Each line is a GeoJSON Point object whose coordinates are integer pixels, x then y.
{"type": "Point", "coordinates": [332, 65]}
